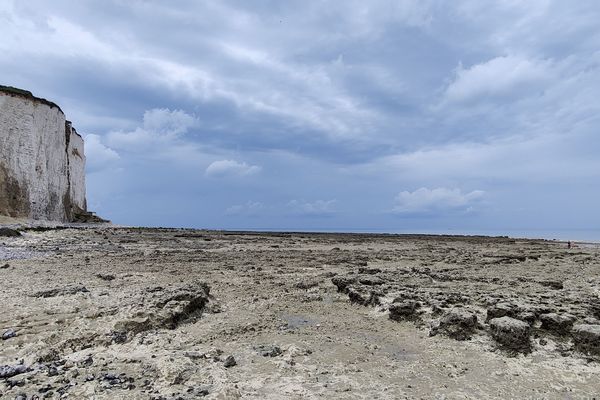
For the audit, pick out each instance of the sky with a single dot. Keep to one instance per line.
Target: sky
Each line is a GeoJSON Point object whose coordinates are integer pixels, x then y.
{"type": "Point", "coordinates": [387, 116]}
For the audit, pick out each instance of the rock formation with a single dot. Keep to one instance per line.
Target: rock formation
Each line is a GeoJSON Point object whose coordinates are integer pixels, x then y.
{"type": "Point", "coordinates": [42, 160]}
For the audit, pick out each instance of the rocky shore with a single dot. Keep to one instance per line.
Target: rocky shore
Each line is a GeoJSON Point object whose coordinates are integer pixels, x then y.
{"type": "Point", "coordinates": [124, 313]}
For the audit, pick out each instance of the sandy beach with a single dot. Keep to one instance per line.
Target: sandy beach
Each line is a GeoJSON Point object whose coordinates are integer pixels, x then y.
{"type": "Point", "coordinates": [122, 313]}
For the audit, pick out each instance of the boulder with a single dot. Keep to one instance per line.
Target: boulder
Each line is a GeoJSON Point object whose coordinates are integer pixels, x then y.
{"type": "Point", "coordinates": [458, 323]}
{"type": "Point", "coordinates": [363, 297]}
{"type": "Point", "coordinates": [586, 338]}
{"type": "Point", "coordinates": [404, 310]}
{"type": "Point", "coordinates": [511, 333]}
{"type": "Point", "coordinates": [558, 324]}
{"type": "Point", "coordinates": [171, 308]}
{"type": "Point", "coordinates": [502, 310]}
{"type": "Point", "coordinates": [342, 283]}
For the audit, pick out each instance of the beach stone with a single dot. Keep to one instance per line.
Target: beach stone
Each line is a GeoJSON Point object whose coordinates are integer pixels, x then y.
{"type": "Point", "coordinates": [501, 310]}
{"type": "Point", "coordinates": [8, 334]}
{"type": "Point", "coordinates": [268, 350]}
{"type": "Point", "coordinates": [371, 280]}
{"type": "Point", "coordinates": [8, 371]}
{"type": "Point", "coordinates": [404, 309]}
{"type": "Point", "coordinates": [526, 316]}
{"type": "Point", "coordinates": [342, 283]}
{"type": "Point", "coordinates": [8, 232]}
{"type": "Point", "coordinates": [511, 333]}
{"type": "Point", "coordinates": [230, 362]}
{"type": "Point", "coordinates": [105, 277]}
{"type": "Point", "coordinates": [587, 338]}
{"type": "Point", "coordinates": [458, 323]}
{"type": "Point", "coordinates": [306, 284]}
{"type": "Point", "coordinates": [364, 297]}
{"type": "Point", "coordinates": [552, 284]}
{"type": "Point", "coordinates": [559, 324]}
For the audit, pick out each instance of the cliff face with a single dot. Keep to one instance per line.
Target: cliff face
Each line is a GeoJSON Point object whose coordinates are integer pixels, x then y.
{"type": "Point", "coordinates": [42, 161]}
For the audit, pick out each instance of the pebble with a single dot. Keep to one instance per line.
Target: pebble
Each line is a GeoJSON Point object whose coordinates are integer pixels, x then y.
{"type": "Point", "coordinates": [9, 333]}
{"type": "Point", "coordinates": [8, 371]}
{"type": "Point", "coordinates": [268, 350]}
{"type": "Point", "coordinates": [229, 362]}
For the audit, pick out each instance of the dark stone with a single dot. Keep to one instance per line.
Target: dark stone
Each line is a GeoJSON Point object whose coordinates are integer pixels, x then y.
{"type": "Point", "coordinates": [458, 323]}
{"type": "Point", "coordinates": [526, 316]}
{"type": "Point", "coordinates": [8, 371]}
{"type": "Point", "coordinates": [559, 324]}
{"type": "Point", "coordinates": [371, 280]}
{"type": "Point", "coordinates": [365, 298]}
{"type": "Point", "coordinates": [86, 362]}
{"type": "Point", "coordinates": [46, 388]}
{"type": "Point", "coordinates": [511, 333]}
{"type": "Point", "coordinates": [342, 283]}
{"type": "Point", "coordinates": [368, 271]}
{"type": "Point", "coordinates": [307, 284]}
{"type": "Point", "coordinates": [556, 285]}
{"type": "Point", "coordinates": [268, 350]}
{"type": "Point", "coordinates": [587, 338]}
{"type": "Point", "coordinates": [502, 310]}
{"type": "Point", "coordinates": [105, 277]}
{"type": "Point", "coordinates": [404, 310]}
{"type": "Point", "coordinates": [229, 362]}
{"type": "Point", "coordinates": [8, 334]}
{"type": "Point", "coordinates": [8, 232]}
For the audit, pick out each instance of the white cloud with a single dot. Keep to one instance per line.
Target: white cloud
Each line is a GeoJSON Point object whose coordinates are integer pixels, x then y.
{"type": "Point", "coordinates": [497, 77]}
{"type": "Point", "coordinates": [426, 200]}
{"type": "Point", "coordinates": [160, 126]}
{"type": "Point", "coordinates": [223, 168]}
{"type": "Point", "coordinates": [318, 207]}
{"type": "Point", "coordinates": [98, 156]}
{"type": "Point", "coordinates": [248, 209]}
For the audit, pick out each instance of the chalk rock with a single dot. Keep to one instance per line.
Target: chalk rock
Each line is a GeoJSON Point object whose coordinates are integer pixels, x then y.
{"type": "Point", "coordinates": [42, 169]}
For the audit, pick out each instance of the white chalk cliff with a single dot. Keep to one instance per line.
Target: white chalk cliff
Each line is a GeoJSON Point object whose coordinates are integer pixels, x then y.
{"type": "Point", "coordinates": [42, 160]}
